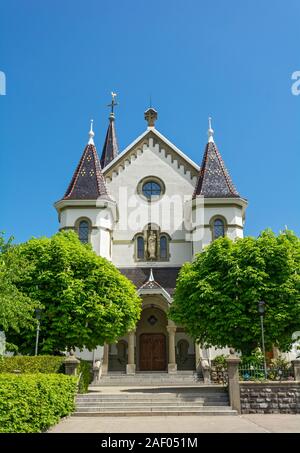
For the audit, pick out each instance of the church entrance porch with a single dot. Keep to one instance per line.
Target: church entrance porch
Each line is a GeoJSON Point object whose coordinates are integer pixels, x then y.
{"type": "Point", "coordinates": [156, 345]}
{"type": "Point", "coordinates": [152, 352]}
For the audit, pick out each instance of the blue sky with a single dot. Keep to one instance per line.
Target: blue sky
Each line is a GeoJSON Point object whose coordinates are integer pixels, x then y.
{"type": "Point", "coordinates": [230, 59]}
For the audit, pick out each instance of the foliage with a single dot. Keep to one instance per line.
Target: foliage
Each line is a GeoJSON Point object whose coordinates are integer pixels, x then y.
{"type": "Point", "coordinates": [220, 362]}
{"type": "Point", "coordinates": [86, 375]}
{"type": "Point", "coordinates": [17, 310]}
{"type": "Point", "coordinates": [31, 364]}
{"type": "Point", "coordinates": [86, 300]}
{"type": "Point", "coordinates": [32, 403]}
{"type": "Point", "coordinates": [256, 358]}
{"type": "Point", "coordinates": [216, 296]}
{"type": "Point", "coordinates": [278, 364]}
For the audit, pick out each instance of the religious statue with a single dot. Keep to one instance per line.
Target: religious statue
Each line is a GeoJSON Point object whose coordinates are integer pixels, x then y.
{"type": "Point", "coordinates": [151, 242]}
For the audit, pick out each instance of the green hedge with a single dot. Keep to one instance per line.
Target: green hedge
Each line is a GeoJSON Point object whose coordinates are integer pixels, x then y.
{"type": "Point", "coordinates": [31, 403]}
{"type": "Point", "coordinates": [32, 364]}
{"type": "Point", "coordinates": [85, 368]}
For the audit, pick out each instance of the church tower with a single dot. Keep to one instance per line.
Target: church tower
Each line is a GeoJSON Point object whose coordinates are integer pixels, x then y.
{"type": "Point", "coordinates": [86, 206]}
{"type": "Point", "coordinates": [218, 209]}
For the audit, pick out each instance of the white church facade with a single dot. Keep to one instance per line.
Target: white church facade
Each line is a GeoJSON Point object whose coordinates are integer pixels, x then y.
{"type": "Point", "coordinates": [149, 209]}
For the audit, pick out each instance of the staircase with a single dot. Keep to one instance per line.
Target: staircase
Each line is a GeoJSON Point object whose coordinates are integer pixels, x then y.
{"type": "Point", "coordinates": [204, 400]}
{"type": "Point", "coordinates": [181, 378]}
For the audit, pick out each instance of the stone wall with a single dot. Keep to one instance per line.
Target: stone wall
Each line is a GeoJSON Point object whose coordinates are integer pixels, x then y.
{"type": "Point", "coordinates": [270, 397]}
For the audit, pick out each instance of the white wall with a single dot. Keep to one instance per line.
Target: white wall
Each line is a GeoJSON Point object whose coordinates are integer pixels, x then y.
{"type": "Point", "coordinates": [85, 354]}
{"type": "Point", "coordinates": [102, 223]}
{"type": "Point", "coordinates": [135, 213]}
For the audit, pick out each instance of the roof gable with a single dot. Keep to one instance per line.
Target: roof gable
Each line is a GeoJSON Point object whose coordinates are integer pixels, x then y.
{"type": "Point", "coordinates": [166, 149]}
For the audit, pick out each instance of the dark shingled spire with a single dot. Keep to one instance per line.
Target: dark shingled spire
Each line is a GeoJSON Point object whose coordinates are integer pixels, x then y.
{"type": "Point", "coordinates": [214, 180]}
{"type": "Point", "coordinates": [88, 182]}
{"type": "Point", "coordinates": [110, 147]}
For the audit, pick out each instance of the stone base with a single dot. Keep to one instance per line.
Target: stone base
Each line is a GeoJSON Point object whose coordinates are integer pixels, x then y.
{"type": "Point", "coordinates": [172, 368]}
{"type": "Point", "coordinates": [130, 369]}
{"type": "Point", "coordinates": [206, 376]}
{"type": "Point", "coordinates": [104, 369]}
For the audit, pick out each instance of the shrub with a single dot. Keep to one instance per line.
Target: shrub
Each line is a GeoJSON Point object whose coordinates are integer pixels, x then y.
{"type": "Point", "coordinates": [32, 403]}
{"type": "Point", "coordinates": [32, 364]}
{"type": "Point", "coordinates": [279, 368]}
{"type": "Point", "coordinates": [220, 362]}
{"type": "Point", "coordinates": [256, 359]}
{"type": "Point", "coordinates": [85, 368]}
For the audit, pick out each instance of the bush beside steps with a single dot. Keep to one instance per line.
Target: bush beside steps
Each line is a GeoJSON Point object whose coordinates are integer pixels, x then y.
{"type": "Point", "coordinates": [31, 403]}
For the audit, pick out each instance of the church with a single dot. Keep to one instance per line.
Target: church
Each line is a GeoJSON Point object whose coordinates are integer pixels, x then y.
{"type": "Point", "coordinates": [149, 209]}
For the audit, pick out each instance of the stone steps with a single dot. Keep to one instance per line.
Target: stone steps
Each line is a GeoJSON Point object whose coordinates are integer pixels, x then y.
{"type": "Point", "coordinates": [142, 404]}
{"type": "Point", "coordinates": [118, 379]}
{"type": "Point", "coordinates": [144, 401]}
{"type": "Point", "coordinates": [156, 412]}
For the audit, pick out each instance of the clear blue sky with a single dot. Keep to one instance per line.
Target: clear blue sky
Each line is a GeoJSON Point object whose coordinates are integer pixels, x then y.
{"type": "Point", "coordinates": [232, 59]}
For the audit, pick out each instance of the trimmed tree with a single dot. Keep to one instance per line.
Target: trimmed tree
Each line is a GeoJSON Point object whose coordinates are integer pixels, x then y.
{"type": "Point", "coordinates": [217, 295]}
{"type": "Point", "coordinates": [16, 308]}
{"type": "Point", "coordinates": [86, 300]}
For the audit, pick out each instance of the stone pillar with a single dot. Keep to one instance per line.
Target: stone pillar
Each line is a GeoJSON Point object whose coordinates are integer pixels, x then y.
{"type": "Point", "coordinates": [130, 367]}
{"type": "Point", "coordinates": [234, 381]}
{"type": "Point", "coordinates": [172, 365]}
{"type": "Point", "coordinates": [296, 366]}
{"type": "Point", "coordinates": [198, 357]}
{"type": "Point", "coordinates": [71, 365]}
{"type": "Point", "coordinates": [104, 366]}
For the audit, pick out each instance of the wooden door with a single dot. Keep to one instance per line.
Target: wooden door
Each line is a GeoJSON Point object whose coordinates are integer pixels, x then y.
{"type": "Point", "coordinates": [152, 352]}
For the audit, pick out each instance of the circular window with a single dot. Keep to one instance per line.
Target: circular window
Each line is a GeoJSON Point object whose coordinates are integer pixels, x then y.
{"type": "Point", "coordinates": [151, 189]}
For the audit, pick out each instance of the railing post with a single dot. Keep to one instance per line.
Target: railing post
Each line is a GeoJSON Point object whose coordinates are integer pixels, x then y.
{"type": "Point", "coordinates": [205, 371]}
{"type": "Point", "coordinates": [233, 362]}
{"type": "Point", "coordinates": [97, 368]}
{"type": "Point", "coordinates": [296, 367]}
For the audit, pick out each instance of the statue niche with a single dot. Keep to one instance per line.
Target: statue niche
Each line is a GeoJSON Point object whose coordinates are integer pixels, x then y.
{"type": "Point", "coordinates": [152, 244]}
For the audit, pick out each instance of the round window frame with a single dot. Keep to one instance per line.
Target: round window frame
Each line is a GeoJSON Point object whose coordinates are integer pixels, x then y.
{"type": "Point", "coordinates": [147, 180]}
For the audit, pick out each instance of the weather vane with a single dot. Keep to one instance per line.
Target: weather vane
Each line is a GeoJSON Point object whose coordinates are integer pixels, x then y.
{"type": "Point", "coordinates": [113, 102]}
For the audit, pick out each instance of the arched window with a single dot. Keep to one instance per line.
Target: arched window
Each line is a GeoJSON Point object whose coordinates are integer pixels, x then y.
{"type": "Point", "coordinates": [219, 228]}
{"type": "Point", "coordinates": [163, 247]}
{"type": "Point", "coordinates": [183, 349]}
{"type": "Point", "coordinates": [83, 231]}
{"type": "Point", "coordinates": [140, 248]}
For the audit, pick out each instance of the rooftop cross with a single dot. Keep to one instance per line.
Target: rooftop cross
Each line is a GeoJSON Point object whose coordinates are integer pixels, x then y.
{"type": "Point", "coordinates": [112, 104]}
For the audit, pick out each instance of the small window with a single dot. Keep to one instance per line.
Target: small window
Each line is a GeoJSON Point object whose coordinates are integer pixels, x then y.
{"type": "Point", "coordinates": [151, 189]}
{"type": "Point", "coordinates": [140, 248]}
{"type": "Point", "coordinates": [163, 247]}
{"type": "Point", "coordinates": [219, 228]}
{"type": "Point", "coordinates": [83, 231]}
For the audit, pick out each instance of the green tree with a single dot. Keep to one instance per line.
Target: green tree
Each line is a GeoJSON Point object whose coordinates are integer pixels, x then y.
{"type": "Point", "coordinates": [216, 296]}
{"type": "Point", "coordinates": [86, 300]}
{"type": "Point", "coordinates": [17, 309]}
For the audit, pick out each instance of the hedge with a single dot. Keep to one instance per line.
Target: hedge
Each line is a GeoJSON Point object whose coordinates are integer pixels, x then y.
{"type": "Point", "coordinates": [85, 369]}
{"type": "Point", "coordinates": [31, 403]}
{"type": "Point", "coordinates": [32, 364]}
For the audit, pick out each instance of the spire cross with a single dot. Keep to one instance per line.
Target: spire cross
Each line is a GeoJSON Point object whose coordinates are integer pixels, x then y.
{"type": "Point", "coordinates": [113, 102]}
